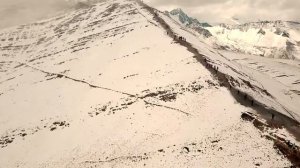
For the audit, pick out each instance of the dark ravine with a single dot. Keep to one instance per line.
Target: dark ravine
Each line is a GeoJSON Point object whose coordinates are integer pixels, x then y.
{"type": "Point", "coordinates": [224, 80]}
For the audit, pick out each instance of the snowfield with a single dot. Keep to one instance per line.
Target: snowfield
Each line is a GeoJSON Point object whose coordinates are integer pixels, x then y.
{"type": "Point", "coordinates": [106, 86]}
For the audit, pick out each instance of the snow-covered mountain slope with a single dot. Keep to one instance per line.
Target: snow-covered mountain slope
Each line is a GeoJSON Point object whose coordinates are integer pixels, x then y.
{"type": "Point", "coordinates": [276, 39]}
{"type": "Point", "coordinates": [106, 86]}
{"type": "Point", "coordinates": [273, 82]}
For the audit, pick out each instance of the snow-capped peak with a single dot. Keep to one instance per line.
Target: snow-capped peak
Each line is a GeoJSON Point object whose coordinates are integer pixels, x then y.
{"type": "Point", "coordinates": [181, 17]}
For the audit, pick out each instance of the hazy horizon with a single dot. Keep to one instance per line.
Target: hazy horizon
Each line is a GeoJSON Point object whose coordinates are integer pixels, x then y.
{"type": "Point", "coordinates": [18, 12]}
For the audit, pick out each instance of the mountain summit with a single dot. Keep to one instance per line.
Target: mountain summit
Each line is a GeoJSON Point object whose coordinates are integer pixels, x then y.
{"type": "Point", "coordinates": [184, 19]}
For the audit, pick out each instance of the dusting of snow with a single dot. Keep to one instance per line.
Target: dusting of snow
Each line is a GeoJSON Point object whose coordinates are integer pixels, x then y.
{"type": "Point", "coordinates": [107, 87]}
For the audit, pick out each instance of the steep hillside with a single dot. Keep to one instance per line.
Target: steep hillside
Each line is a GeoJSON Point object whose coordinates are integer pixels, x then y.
{"type": "Point", "coordinates": [272, 82]}
{"type": "Point", "coordinates": [109, 86]}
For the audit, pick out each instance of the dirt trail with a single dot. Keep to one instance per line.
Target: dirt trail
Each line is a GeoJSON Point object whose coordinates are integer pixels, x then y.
{"type": "Point", "coordinates": [137, 96]}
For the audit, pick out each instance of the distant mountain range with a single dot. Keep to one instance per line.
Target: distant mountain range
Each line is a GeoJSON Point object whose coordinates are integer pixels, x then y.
{"type": "Point", "coordinates": [275, 39]}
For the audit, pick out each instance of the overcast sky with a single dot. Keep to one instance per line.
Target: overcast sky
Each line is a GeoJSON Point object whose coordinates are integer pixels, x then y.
{"type": "Point", "coordinates": [15, 12]}
{"type": "Point", "coordinates": [245, 10]}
